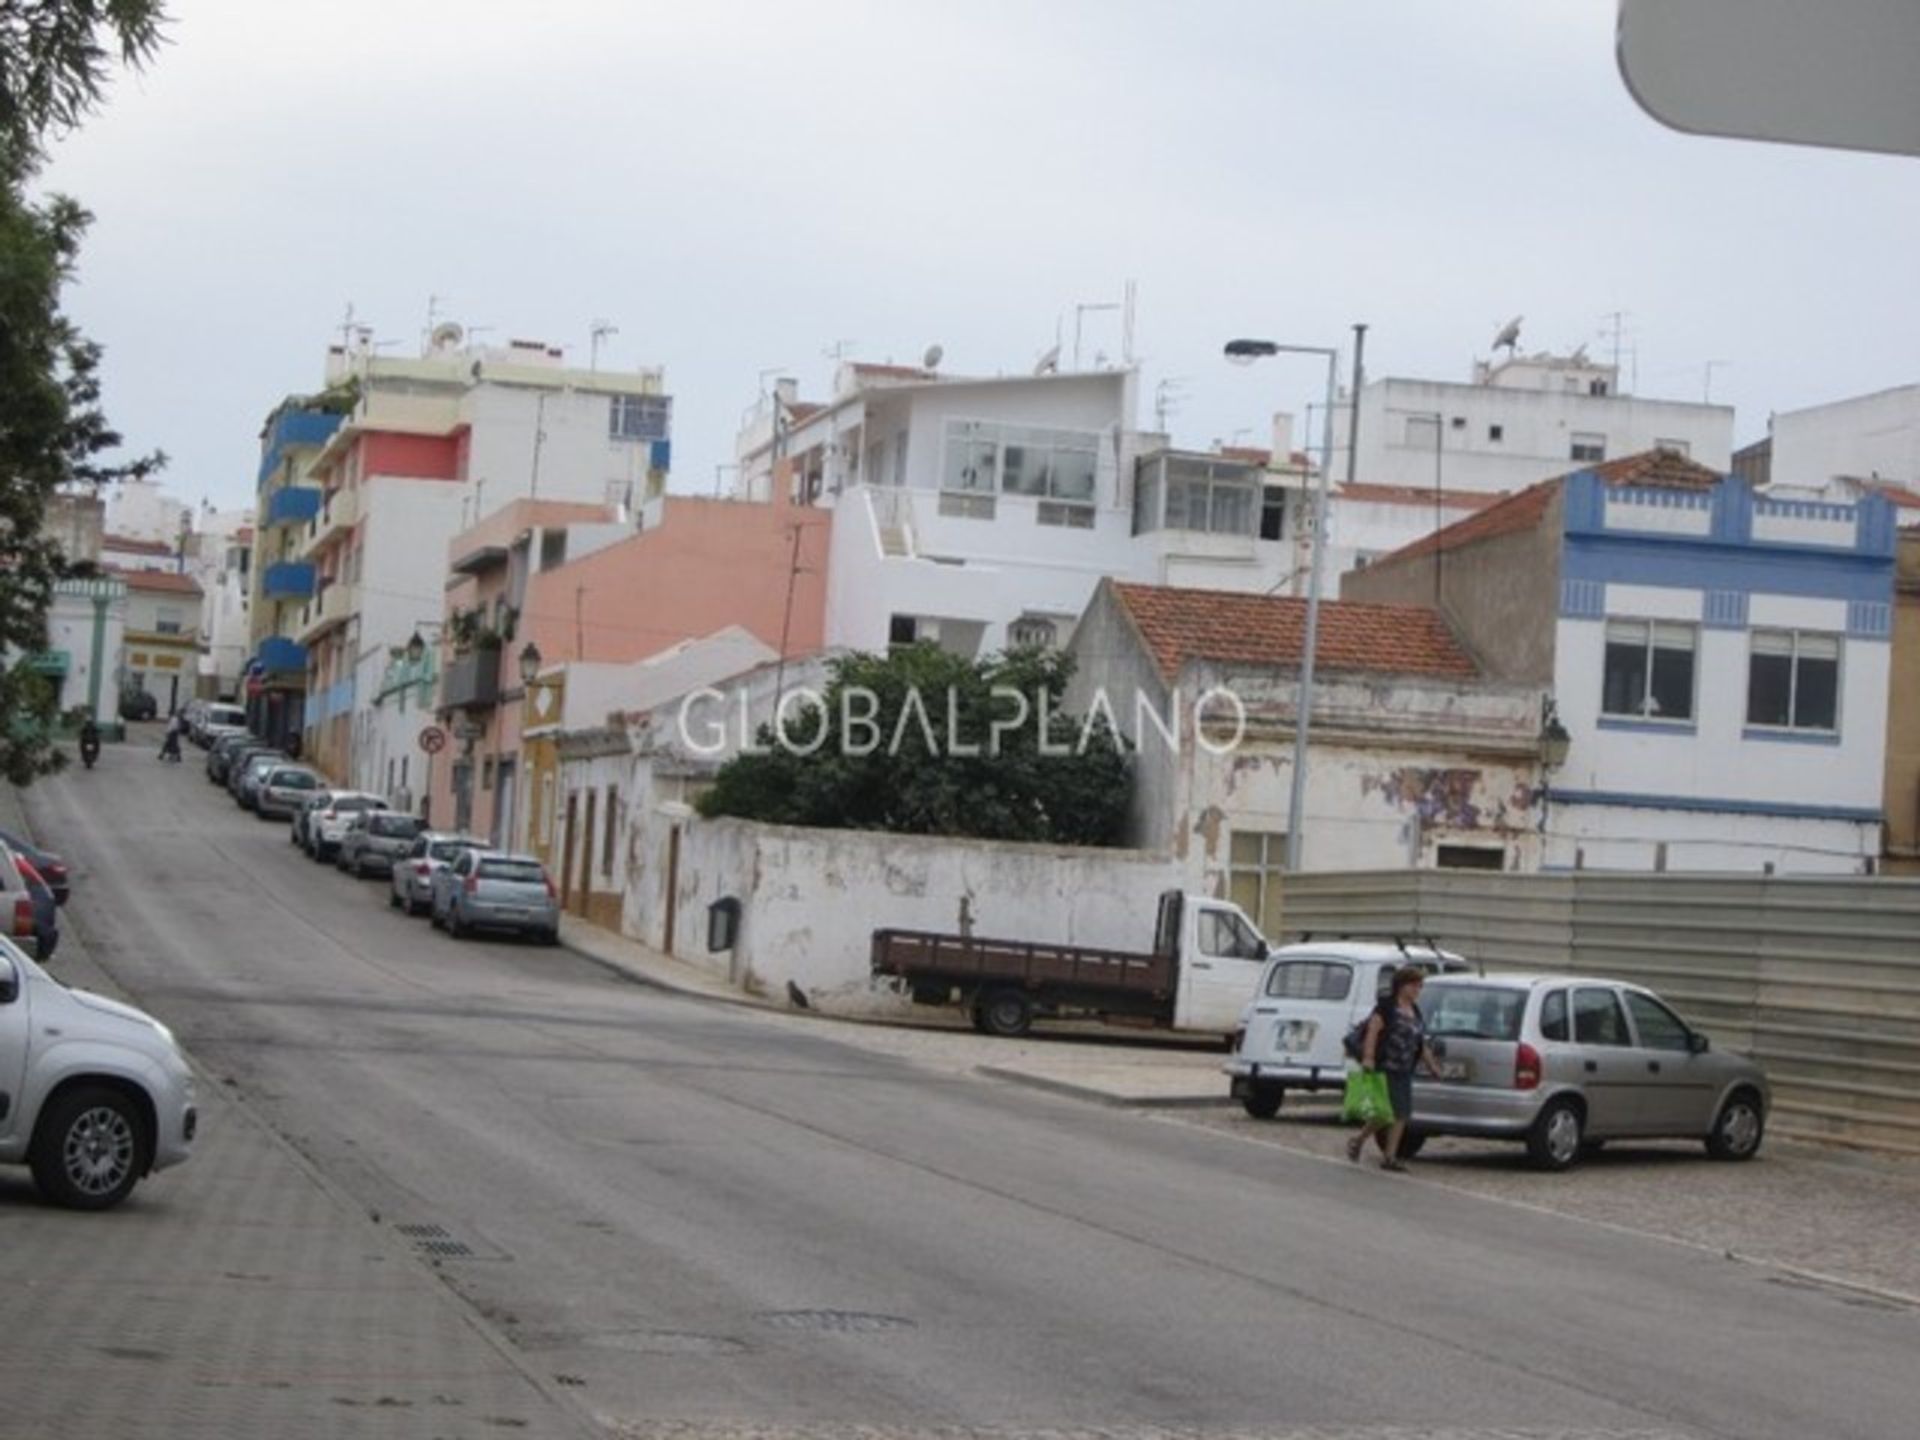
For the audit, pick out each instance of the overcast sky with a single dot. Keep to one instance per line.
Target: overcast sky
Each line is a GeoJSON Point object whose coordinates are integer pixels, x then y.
{"type": "Point", "coordinates": [738, 186]}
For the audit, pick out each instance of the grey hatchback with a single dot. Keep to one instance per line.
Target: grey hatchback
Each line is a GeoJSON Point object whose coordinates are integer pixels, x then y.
{"type": "Point", "coordinates": [487, 890]}
{"type": "Point", "coordinates": [1564, 1062]}
{"type": "Point", "coordinates": [374, 841]}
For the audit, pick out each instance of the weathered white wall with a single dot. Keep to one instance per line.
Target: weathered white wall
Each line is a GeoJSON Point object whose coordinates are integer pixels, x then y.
{"type": "Point", "coordinates": [813, 898]}
{"type": "Point", "coordinates": [1865, 436]}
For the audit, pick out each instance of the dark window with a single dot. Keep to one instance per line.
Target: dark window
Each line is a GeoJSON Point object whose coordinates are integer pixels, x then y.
{"type": "Point", "coordinates": [1649, 670]}
{"type": "Point", "coordinates": [902, 630]}
{"type": "Point", "coordinates": [1223, 933]}
{"type": "Point", "coordinates": [1793, 680]}
{"type": "Point", "coordinates": [1471, 857]}
{"type": "Point", "coordinates": [1597, 1019]}
{"type": "Point", "coordinates": [1587, 447]}
{"type": "Point", "coordinates": [1273, 513]}
{"type": "Point", "coordinates": [1659, 1027]}
{"type": "Point", "coordinates": [394, 826]}
{"type": "Point", "coordinates": [1310, 980]}
{"type": "Point", "coordinates": [1496, 433]}
{"type": "Point", "coordinates": [606, 847]}
{"type": "Point", "coordinates": [520, 872]}
{"type": "Point", "coordinates": [1553, 1016]}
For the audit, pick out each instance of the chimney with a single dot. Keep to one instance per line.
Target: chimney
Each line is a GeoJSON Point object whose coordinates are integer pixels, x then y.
{"type": "Point", "coordinates": [1282, 438]}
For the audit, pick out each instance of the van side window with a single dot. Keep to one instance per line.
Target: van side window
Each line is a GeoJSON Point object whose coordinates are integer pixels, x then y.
{"type": "Point", "coordinates": [1310, 980]}
{"type": "Point", "coordinates": [1553, 1016]}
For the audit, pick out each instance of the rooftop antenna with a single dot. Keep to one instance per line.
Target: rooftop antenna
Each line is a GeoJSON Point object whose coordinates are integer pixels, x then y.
{"type": "Point", "coordinates": [1508, 338]}
{"type": "Point", "coordinates": [1049, 363]}
{"type": "Point", "coordinates": [1167, 396]}
{"type": "Point", "coordinates": [931, 360]}
{"type": "Point", "coordinates": [1706, 388]}
{"type": "Point", "coordinates": [1126, 323]}
{"type": "Point", "coordinates": [1616, 329]}
{"type": "Point", "coordinates": [597, 333]}
{"type": "Point", "coordinates": [1080, 313]}
{"type": "Point", "coordinates": [434, 302]}
{"type": "Point", "coordinates": [347, 327]}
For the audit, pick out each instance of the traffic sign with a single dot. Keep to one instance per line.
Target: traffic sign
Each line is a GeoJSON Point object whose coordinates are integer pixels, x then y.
{"type": "Point", "coordinates": [433, 739]}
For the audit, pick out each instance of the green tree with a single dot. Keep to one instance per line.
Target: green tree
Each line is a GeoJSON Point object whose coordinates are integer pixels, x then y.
{"type": "Point", "coordinates": [54, 59]}
{"type": "Point", "coordinates": [924, 742]}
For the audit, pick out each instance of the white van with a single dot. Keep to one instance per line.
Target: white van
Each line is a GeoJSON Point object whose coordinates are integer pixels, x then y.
{"type": "Point", "coordinates": [1308, 997]}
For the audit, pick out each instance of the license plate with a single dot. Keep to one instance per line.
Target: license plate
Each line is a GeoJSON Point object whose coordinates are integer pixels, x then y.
{"type": "Point", "coordinates": [1293, 1037]}
{"type": "Point", "coordinates": [1456, 1069]}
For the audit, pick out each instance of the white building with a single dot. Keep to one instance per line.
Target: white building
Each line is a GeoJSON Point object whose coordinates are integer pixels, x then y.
{"type": "Point", "coordinates": [143, 510]}
{"type": "Point", "coordinates": [220, 558]}
{"type": "Point", "coordinates": [86, 635]}
{"type": "Point", "coordinates": [1719, 660]}
{"type": "Point", "coordinates": [1865, 437]}
{"type": "Point", "coordinates": [981, 512]}
{"type": "Point", "coordinates": [1519, 420]}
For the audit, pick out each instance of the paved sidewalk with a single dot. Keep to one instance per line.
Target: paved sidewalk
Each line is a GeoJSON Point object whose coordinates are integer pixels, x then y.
{"type": "Point", "coordinates": [238, 1295]}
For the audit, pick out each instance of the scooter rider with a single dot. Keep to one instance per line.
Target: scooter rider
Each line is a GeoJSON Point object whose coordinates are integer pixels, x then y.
{"type": "Point", "coordinates": [89, 741]}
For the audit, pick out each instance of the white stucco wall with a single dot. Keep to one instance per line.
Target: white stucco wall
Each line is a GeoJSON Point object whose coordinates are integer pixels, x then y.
{"type": "Point", "coordinates": [1863, 436]}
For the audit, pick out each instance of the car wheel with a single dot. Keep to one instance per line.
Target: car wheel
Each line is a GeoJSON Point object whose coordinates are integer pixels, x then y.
{"type": "Point", "coordinates": [1738, 1129]}
{"type": "Point", "coordinates": [393, 898]}
{"type": "Point", "coordinates": [1554, 1141]}
{"type": "Point", "coordinates": [1007, 1013]}
{"type": "Point", "coordinates": [1263, 1102]}
{"type": "Point", "coordinates": [90, 1148]}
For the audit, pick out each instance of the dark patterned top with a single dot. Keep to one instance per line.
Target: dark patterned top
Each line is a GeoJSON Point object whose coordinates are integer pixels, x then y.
{"type": "Point", "coordinates": [1398, 1048]}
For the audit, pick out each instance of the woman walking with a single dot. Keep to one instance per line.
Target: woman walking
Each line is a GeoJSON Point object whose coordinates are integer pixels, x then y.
{"type": "Point", "coordinates": [1395, 1042]}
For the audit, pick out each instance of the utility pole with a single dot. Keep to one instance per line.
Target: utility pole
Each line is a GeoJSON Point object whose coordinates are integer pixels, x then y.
{"type": "Point", "coordinates": [786, 625]}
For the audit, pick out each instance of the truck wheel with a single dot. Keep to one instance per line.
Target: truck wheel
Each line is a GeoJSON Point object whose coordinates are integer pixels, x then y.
{"type": "Point", "coordinates": [1006, 1013]}
{"type": "Point", "coordinates": [90, 1148]}
{"type": "Point", "coordinates": [1263, 1101]}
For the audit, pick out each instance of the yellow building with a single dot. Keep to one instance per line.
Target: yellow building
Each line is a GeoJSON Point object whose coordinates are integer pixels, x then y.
{"type": "Point", "coordinates": [161, 653]}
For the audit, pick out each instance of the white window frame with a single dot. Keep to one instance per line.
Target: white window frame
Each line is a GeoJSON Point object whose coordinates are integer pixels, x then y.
{"type": "Point", "coordinates": [999, 434]}
{"type": "Point", "coordinates": [1794, 638]}
{"type": "Point", "coordinates": [1644, 714]}
{"type": "Point", "coordinates": [1581, 440]}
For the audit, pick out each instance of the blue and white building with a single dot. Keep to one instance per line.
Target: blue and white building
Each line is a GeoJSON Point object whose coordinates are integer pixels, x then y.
{"type": "Point", "coordinates": [1713, 663]}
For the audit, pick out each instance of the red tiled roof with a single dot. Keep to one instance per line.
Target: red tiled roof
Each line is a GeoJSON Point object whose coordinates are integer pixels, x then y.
{"type": "Point", "coordinates": [1523, 510]}
{"type": "Point", "coordinates": [801, 410]}
{"type": "Point", "coordinates": [1254, 455]}
{"type": "Point", "coordinates": [130, 546]}
{"type": "Point", "coordinates": [170, 581]}
{"type": "Point", "coordinates": [1415, 495]}
{"type": "Point", "coordinates": [1900, 495]}
{"type": "Point", "coordinates": [1659, 469]}
{"type": "Point", "coordinates": [1180, 625]}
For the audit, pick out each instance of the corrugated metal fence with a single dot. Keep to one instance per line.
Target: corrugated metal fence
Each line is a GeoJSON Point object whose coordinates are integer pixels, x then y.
{"type": "Point", "coordinates": [1818, 979]}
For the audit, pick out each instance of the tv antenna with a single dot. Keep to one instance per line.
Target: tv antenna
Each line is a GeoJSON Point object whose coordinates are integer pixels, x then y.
{"type": "Point", "coordinates": [1167, 396]}
{"type": "Point", "coordinates": [597, 333]}
{"type": "Point", "coordinates": [931, 360]}
{"type": "Point", "coordinates": [1508, 336]}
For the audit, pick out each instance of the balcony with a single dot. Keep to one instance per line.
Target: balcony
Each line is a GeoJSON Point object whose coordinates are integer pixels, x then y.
{"type": "Point", "coordinates": [280, 655]}
{"type": "Point", "coordinates": [295, 429]}
{"type": "Point", "coordinates": [472, 680]}
{"type": "Point", "coordinates": [287, 580]}
{"type": "Point", "coordinates": [293, 505]}
{"type": "Point", "coordinates": [333, 605]}
{"type": "Point", "coordinates": [338, 513]}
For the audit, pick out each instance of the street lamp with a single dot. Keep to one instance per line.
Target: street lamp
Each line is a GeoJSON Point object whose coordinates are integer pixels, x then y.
{"type": "Point", "coordinates": [416, 649]}
{"type": "Point", "coordinates": [1245, 352]}
{"type": "Point", "coordinates": [530, 659]}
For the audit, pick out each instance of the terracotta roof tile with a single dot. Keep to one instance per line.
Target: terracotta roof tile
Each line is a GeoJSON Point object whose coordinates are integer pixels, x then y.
{"type": "Point", "coordinates": [170, 581]}
{"type": "Point", "coordinates": [127, 545]}
{"type": "Point", "coordinates": [1660, 469]}
{"type": "Point", "coordinates": [1523, 510]}
{"type": "Point", "coordinates": [1900, 495]}
{"type": "Point", "coordinates": [1180, 625]}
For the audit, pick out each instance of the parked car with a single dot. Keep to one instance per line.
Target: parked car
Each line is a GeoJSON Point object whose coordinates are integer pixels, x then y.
{"type": "Point", "coordinates": [1562, 1063]}
{"type": "Point", "coordinates": [1308, 997]}
{"type": "Point", "coordinates": [251, 772]}
{"type": "Point", "coordinates": [101, 1096]}
{"type": "Point", "coordinates": [26, 904]}
{"type": "Point", "coordinates": [410, 885]}
{"type": "Point", "coordinates": [283, 788]}
{"type": "Point", "coordinates": [138, 705]}
{"type": "Point", "coordinates": [374, 841]}
{"type": "Point", "coordinates": [51, 867]}
{"type": "Point", "coordinates": [215, 715]}
{"type": "Point", "coordinates": [492, 890]}
{"type": "Point", "coordinates": [220, 756]}
{"type": "Point", "coordinates": [326, 824]}
{"type": "Point", "coordinates": [297, 819]}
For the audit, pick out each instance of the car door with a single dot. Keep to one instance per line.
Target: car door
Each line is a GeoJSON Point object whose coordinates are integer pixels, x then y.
{"type": "Point", "coordinates": [14, 1031]}
{"type": "Point", "coordinates": [1608, 1068]}
{"type": "Point", "coordinates": [1220, 969]}
{"type": "Point", "coordinates": [1677, 1093]}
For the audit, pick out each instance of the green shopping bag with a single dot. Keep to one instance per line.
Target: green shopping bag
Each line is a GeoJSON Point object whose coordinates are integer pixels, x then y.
{"type": "Point", "coordinates": [1367, 1101]}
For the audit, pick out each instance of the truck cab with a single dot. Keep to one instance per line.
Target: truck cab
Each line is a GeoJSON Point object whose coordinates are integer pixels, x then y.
{"type": "Point", "coordinates": [1219, 957]}
{"type": "Point", "coordinates": [1305, 1000]}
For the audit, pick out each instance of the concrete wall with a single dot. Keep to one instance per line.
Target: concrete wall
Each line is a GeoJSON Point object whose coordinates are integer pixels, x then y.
{"type": "Point", "coordinates": [1817, 979]}
{"type": "Point", "coordinates": [1537, 428]}
{"type": "Point", "coordinates": [1865, 436]}
{"type": "Point", "coordinates": [812, 899]}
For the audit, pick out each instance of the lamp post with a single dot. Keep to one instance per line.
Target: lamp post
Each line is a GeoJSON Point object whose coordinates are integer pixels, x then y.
{"type": "Point", "coordinates": [530, 659]}
{"type": "Point", "coordinates": [1245, 352]}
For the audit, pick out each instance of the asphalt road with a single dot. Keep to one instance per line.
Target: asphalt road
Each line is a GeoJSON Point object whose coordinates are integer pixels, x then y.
{"type": "Point", "coordinates": [710, 1221]}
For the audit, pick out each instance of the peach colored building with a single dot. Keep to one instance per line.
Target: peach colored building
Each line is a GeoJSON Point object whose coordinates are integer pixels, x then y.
{"type": "Point", "coordinates": [579, 588]}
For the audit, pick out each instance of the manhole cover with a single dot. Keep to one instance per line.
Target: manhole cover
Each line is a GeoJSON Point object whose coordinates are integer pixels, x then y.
{"type": "Point", "coordinates": [854, 1322]}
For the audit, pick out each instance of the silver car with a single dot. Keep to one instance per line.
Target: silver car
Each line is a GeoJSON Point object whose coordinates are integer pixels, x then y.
{"type": "Point", "coordinates": [283, 790]}
{"type": "Point", "coordinates": [252, 770]}
{"type": "Point", "coordinates": [374, 841]}
{"type": "Point", "coordinates": [326, 823]}
{"type": "Point", "coordinates": [491, 890]}
{"type": "Point", "coordinates": [1562, 1063]}
{"type": "Point", "coordinates": [410, 888]}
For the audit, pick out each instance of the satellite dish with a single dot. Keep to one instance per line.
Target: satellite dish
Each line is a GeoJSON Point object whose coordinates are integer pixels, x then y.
{"type": "Point", "coordinates": [1509, 336]}
{"type": "Point", "coordinates": [1049, 363]}
{"type": "Point", "coordinates": [931, 360]}
{"type": "Point", "coordinates": [447, 334]}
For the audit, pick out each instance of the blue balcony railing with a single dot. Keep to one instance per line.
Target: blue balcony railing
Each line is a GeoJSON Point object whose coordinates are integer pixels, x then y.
{"type": "Point", "coordinates": [281, 655]}
{"type": "Point", "coordinates": [291, 429]}
{"type": "Point", "coordinates": [287, 580]}
{"type": "Point", "coordinates": [293, 505]}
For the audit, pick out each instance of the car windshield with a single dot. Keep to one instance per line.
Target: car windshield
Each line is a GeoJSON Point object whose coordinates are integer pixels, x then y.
{"type": "Point", "coordinates": [520, 872]}
{"type": "Point", "coordinates": [401, 826]}
{"type": "Point", "coordinates": [293, 780]}
{"type": "Point", "coordinates": [1474, 1012]}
